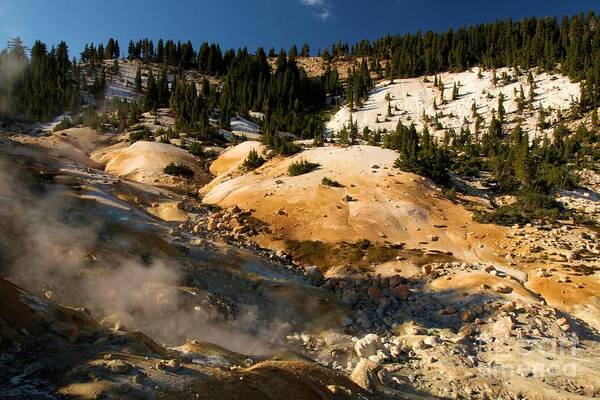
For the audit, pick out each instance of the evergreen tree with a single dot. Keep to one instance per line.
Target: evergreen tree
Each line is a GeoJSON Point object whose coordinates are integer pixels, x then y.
{"type": "Point", "coordinates": [305, 52]}
{"type": "Point", "coordinates": [151, 99]}
{"type": "Point", "coordinates": [138, 80]}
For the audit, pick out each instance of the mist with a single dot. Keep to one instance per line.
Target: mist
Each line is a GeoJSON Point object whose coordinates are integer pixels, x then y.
{"type": "Point", "coordinates": [11, 70]}
{"type": "Point", "coordinates": [45, 249]}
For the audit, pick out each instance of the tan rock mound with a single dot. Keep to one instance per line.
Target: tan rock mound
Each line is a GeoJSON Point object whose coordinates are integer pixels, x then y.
{"type": "Point", "coordinates": [374, 201]}
{"type": "Point", "coordinates": [234, 157]}
{"type": "Point", "coordinates": [75, 144]}
{"type": "Point", "coordinates": [144, 162]}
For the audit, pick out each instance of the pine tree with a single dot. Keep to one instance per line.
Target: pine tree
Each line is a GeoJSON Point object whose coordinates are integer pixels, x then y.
{"type": "Point", "coordinates": [521, 101]}
{"type": "Point", "coordinates": [531, 96]}
{"type": "Point", "coordinates": [293, 53]}
{"type": "Point", "coordinates": [595, 118]}
{"type": "Point", "coordinates": [305, 52]}
{"type": "Point", "coordinates": [343, 136]}
{"type": "Point", "coordinates": [138, 80]}
{"type": "Point", "coordinates": [541, 124]}
{"type": "Point", "coordinates": [501, 109]}
{"type": "Point", "coordinates": [151, 99]}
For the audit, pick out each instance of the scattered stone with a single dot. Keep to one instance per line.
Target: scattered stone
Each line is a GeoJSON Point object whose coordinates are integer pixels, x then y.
{"type": "Point", "coordinates": [365, 374]}
{"type": "Point", "coordinates": [401, 292]}
{"type": "Point", "coordinates": [368, 345]}
{"type": "Point", "coordinates": [66, 330]}
{"type": "Point", "coordinates": [374, 293]}
{"type": "Point", "coordinates": [118, 366]}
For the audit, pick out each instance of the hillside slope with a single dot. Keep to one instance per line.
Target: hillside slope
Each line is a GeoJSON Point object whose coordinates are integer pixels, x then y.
{"type": "Point", "coordinates": [378, 202]}
{"type": "Point", "coordinates": [410, 98]}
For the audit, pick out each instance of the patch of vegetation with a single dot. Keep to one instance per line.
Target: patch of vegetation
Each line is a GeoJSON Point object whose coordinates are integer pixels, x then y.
{"type": "Point", "coordinates": [142, 134]}
{"type": "Point", "coordinates": [420, 154]}
{"type": "Point", "coordinates": [253, 160]}
{"type": "Point", "coordinates": [65, 123]}
{"type": "Point", "coordinates": [196, 149]}
{"type": "Point", "coordinates": [330, 182]}
{"type": "Point", "coordinates": [179, 170]}
{"type": "Point", "coordinates": [326, 181]}
{"type": "Point", "coordinates": [360, 254]}
{"type": "Point", "coordinates": [528, 207]}
{"type": "Point", "coordinates": [302, 167]}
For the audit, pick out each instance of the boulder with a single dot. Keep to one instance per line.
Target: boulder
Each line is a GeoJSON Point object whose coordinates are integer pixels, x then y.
{"type": "Point", "coordinates": [118, 366]}
{"type": "Point", "coordinates": [211, 224]}
{"type": "Point", "coordinates": [401, 292]}
{"type": "Point", "coordinates": [66, 330]}
{"type": "Point", "coordinates": [365, 374]}
{"type": "Point", "coordinates": [374, 293]}
{"type": "Point", "coordinates": [367, 346]}
{"type": "Point", "coordinates": [503, 327]}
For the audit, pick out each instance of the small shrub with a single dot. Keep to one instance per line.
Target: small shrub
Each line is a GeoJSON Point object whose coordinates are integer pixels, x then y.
{"type": "Point", "coordinates": [529, 207]}
{"type": "Point", "coordinates": [301, 167]}
{"type": "Point", "coordinates": [179, 170]}
{"type": "Point", "coordinates": [143, 134]}
{"type": "Point", "coordinates": [288, 148]}
{"type": "Point", "coordinates": [65, 123]}
{"type": "Point", "coordinates": [253, 160]}
{"type": "Point", "coordinates": [330, 182]}
{"type": "Point", "coordinates": [196, 149]}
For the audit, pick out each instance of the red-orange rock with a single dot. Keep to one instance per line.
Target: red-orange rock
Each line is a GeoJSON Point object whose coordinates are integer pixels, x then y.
{"type": "Point", "coordinates": [401, 292]}
{"type": "Point", "coordinates": [374, 292]}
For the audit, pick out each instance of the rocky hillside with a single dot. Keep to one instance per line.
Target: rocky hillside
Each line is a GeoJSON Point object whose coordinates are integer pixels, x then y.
{"type": "Point", "coordinates": [476, 93]}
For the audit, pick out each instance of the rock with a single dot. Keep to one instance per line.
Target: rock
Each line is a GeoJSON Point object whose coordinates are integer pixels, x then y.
{"type": "Point", "coordinates": [349, 297]}
{"type": "Point", "coordinates": [563, 324]}
{"type": "Point", "coordinates": [503, 327]}
{"type": "Point", "coordinates": [395, 280]}
{"type": "Point", "coordinates": [65, 330]}
{"type": "Point", "coordinates": [365, 374]}
{"type": "Point", "coordinates": [314, 274]}
{"type": "Point", "coordinates": [118, 322]}
{"type": "Point", "coordinates": [450, 310]}
{"type": "Point", "coordinates": [431, 341]}
{"type": "Point", "coordinates": [503, 288]}
{"type": "Point", "coordinates": [401, 292]}
{"type": "Point", "coordinates": [367, 346]}
{"type": "Point", "coordinates": [173, 366]}
{"type": "Point", "coordinates": [211, 224]}
{"type": "Point", "coordinates": [434, 238]}
{"type": "Point", "coordinates": [428, 269]}
{"type": "Point", "coordinates": [380, 357]}
{"type": "Point", "coordinates": [197, 228]}
{"type": "Point", "coordinates": [466, 316]}
{"type": "Point", "coordinates": [50, 295]}
{"type": "Point", "coordinates": [281, 211]}
{"type": "Point", "coordinates": [374, 293]}
{"type": "Point", "coordinates": [336, 339]}
{"type": "Point", "coordinates": [118, 366]}
{"type": "Point", "coordinates": [363, 321]}
{"type": "Point", "coordinates": [346, 322]}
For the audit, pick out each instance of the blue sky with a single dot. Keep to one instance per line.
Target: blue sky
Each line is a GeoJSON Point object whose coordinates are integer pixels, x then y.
{"type": "Point", "coordinates": [269, 23]}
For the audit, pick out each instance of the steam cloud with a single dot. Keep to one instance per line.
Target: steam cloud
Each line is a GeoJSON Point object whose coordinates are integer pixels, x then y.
{"type": "Point", "coordinates": [45, 252]}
